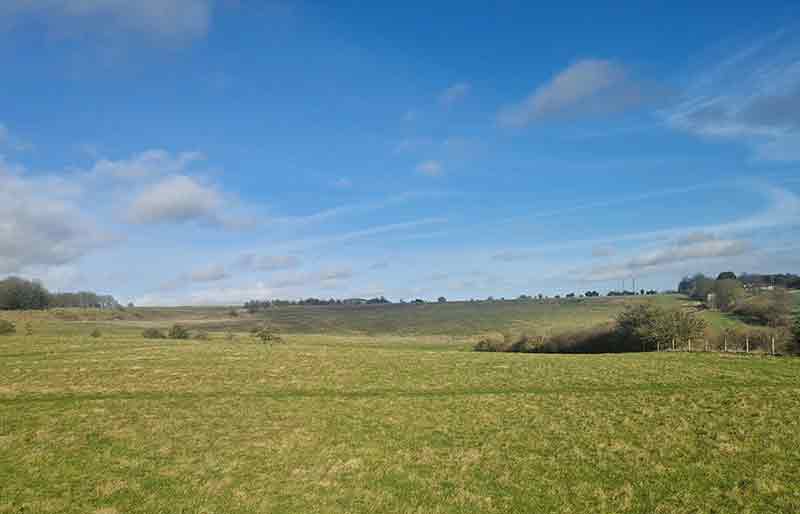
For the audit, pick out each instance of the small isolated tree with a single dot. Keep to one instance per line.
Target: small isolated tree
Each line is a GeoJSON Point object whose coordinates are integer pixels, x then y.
{"type": "Point", "coordinates": [654, 327]}
{"type": "Point", "coordinates": [7, 327]}
{"type": "Point", "coordinates": [726, 275]}
{"type": "Point", "coordinates": [266, 336]}
{"type": "Point", "coordinates": [442, 299]}
{"type": "Point", "coordinates": [702, 287]}
{"type": "Point", "coordinates": [727, 292]}
{"type": "Point", "coordinates": [153, 333]}
{"type": "Point", "coordinates": [178, 331]}
{"type": "Point", "coordinates": [96, 333]}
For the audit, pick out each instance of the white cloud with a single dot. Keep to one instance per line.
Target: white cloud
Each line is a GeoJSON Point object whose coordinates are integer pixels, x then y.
{"type": "Point", "coordinates": [168, 19]}
{"type": "Point", "coordinates": [41, 222]}
{"type": "Point", "coordinates": [176, 199]}
{"type": "Point", "coordinates": [603, 251]}
{"type": "Point", "coordinates": [218, 295]}
{"type": "Point", "coordinates": [147, 164]}
{"type": "Point", "coordinates": [211, 273]}
{"type": "Point", "coordinates": [782, 210]}
{"type": "Point", "coordinates": [454, 94]}
{"type": "Point", "coordinates": [255, 262]}
{"type": "Point", "coordinates": [512, 256]}
{"type": "Point", "coordinates": [430, 168]}
{"type": "Point", "coordinates": [662, 258]}
{"type": "Point", "coordinates": [752, 97]}
{"type": "Point", "coordinates": [309, 281]}
{"type": "Point", "coordinates": [588, 86]}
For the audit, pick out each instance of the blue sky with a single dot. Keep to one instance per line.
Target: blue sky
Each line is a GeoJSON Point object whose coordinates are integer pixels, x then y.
{"type": "Point", "coordinates": [192, 151]}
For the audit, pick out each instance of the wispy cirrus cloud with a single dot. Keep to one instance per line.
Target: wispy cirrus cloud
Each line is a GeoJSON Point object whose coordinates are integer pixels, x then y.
{"type": "Point", "coordinates": [260, 262]}
{"type": "Point", "coordinates": [782, 210]}
{"type": "Point", "coordinates": [211, 273]}
{"type": "Point", "coordinates": [166, 19]}
{"type": "Point", "coordinates": [751, 96]}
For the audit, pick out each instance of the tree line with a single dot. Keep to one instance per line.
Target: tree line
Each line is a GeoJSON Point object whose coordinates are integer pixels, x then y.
{"type": "Point", "coordinates": [764, 304]}
{"type": "Point", "coordinates": [21, 294]}
{"type": "Point", "coordinates": [253, 306]}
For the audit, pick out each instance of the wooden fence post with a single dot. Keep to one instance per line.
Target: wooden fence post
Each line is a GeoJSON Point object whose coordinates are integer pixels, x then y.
{"type": "Point", "coordinates": [673, 344]}
{"type": "Point", "coordinates": [773, 345]}
{"type": "Point", "coordinates": [747, 342]}
{"type": "Point", "coordinates": [705, 345]}
{"type": "Point", "coordinates": [726, 344]}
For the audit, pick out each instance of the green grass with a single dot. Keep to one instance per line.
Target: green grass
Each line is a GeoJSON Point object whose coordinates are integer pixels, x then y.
{"type": "Point", "coordinates": [408, 422]}
{"type": "Point", "coordinates": [450, 319]}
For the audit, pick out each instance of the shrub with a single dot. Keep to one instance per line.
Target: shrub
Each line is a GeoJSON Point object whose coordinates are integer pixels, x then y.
{"type": "Point", "coordinates": [523, 344]}
{"type": "Point", "coordinates": [651, 327]}
{"type": "Point", "coordinates": [600, 339]}
{"type": "Point", "coordinates": [773, 308]}
{"type": "Point", "coordinates": [178, 331]}
{"type": "Point", "coordinates": [28, 329]}
{"type": "Point", "coordinates": [727, 293]}
{"type": "Point", "coordinates": [490, 345]}
{"type": "Point", "coordinates": [96, 333]}
{"type": "Point", "coordinates": [266, 336]}
{"type": "Point", "coordinates": [153, 333]}
{"type": "Point", "coordinates": [7, 327]}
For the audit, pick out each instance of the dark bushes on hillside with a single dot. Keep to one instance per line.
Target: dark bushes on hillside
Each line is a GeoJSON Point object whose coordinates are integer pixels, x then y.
{"type": "Point", "coordinates": [639, 328]}
{"type": "Point", "coordinates": [599, 339]}
{"type": "Point", "coordinates": [153, 333]}
{"type": "Point", "coordinates": [178, 331]}
{"type": "Point", "coordinates": [773, 308]}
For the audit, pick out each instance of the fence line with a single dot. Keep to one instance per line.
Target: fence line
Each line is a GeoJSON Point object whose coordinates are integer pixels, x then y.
{"type": "Point", "coordinates": [767, 345]}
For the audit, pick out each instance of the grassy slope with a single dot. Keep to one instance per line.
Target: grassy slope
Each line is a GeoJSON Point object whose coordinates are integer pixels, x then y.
{"type": "Point", "coordinates": [361, 423]}
{"type": "Point", "coordinates": [454, 319]}
{"type": "Point", "coordinates": [321, 425]}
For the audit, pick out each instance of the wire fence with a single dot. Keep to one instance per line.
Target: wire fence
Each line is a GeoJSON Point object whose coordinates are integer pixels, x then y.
{"type": "Point", "coordinates": [756, 342]}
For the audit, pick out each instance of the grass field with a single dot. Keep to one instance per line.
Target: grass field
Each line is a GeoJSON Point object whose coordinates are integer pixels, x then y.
{"type": "Point", "coordinates": [352, 416]}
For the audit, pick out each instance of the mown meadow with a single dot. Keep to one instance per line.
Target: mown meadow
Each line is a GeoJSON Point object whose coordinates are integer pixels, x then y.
{"type": "Point", "coordinates": [350, 415]}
